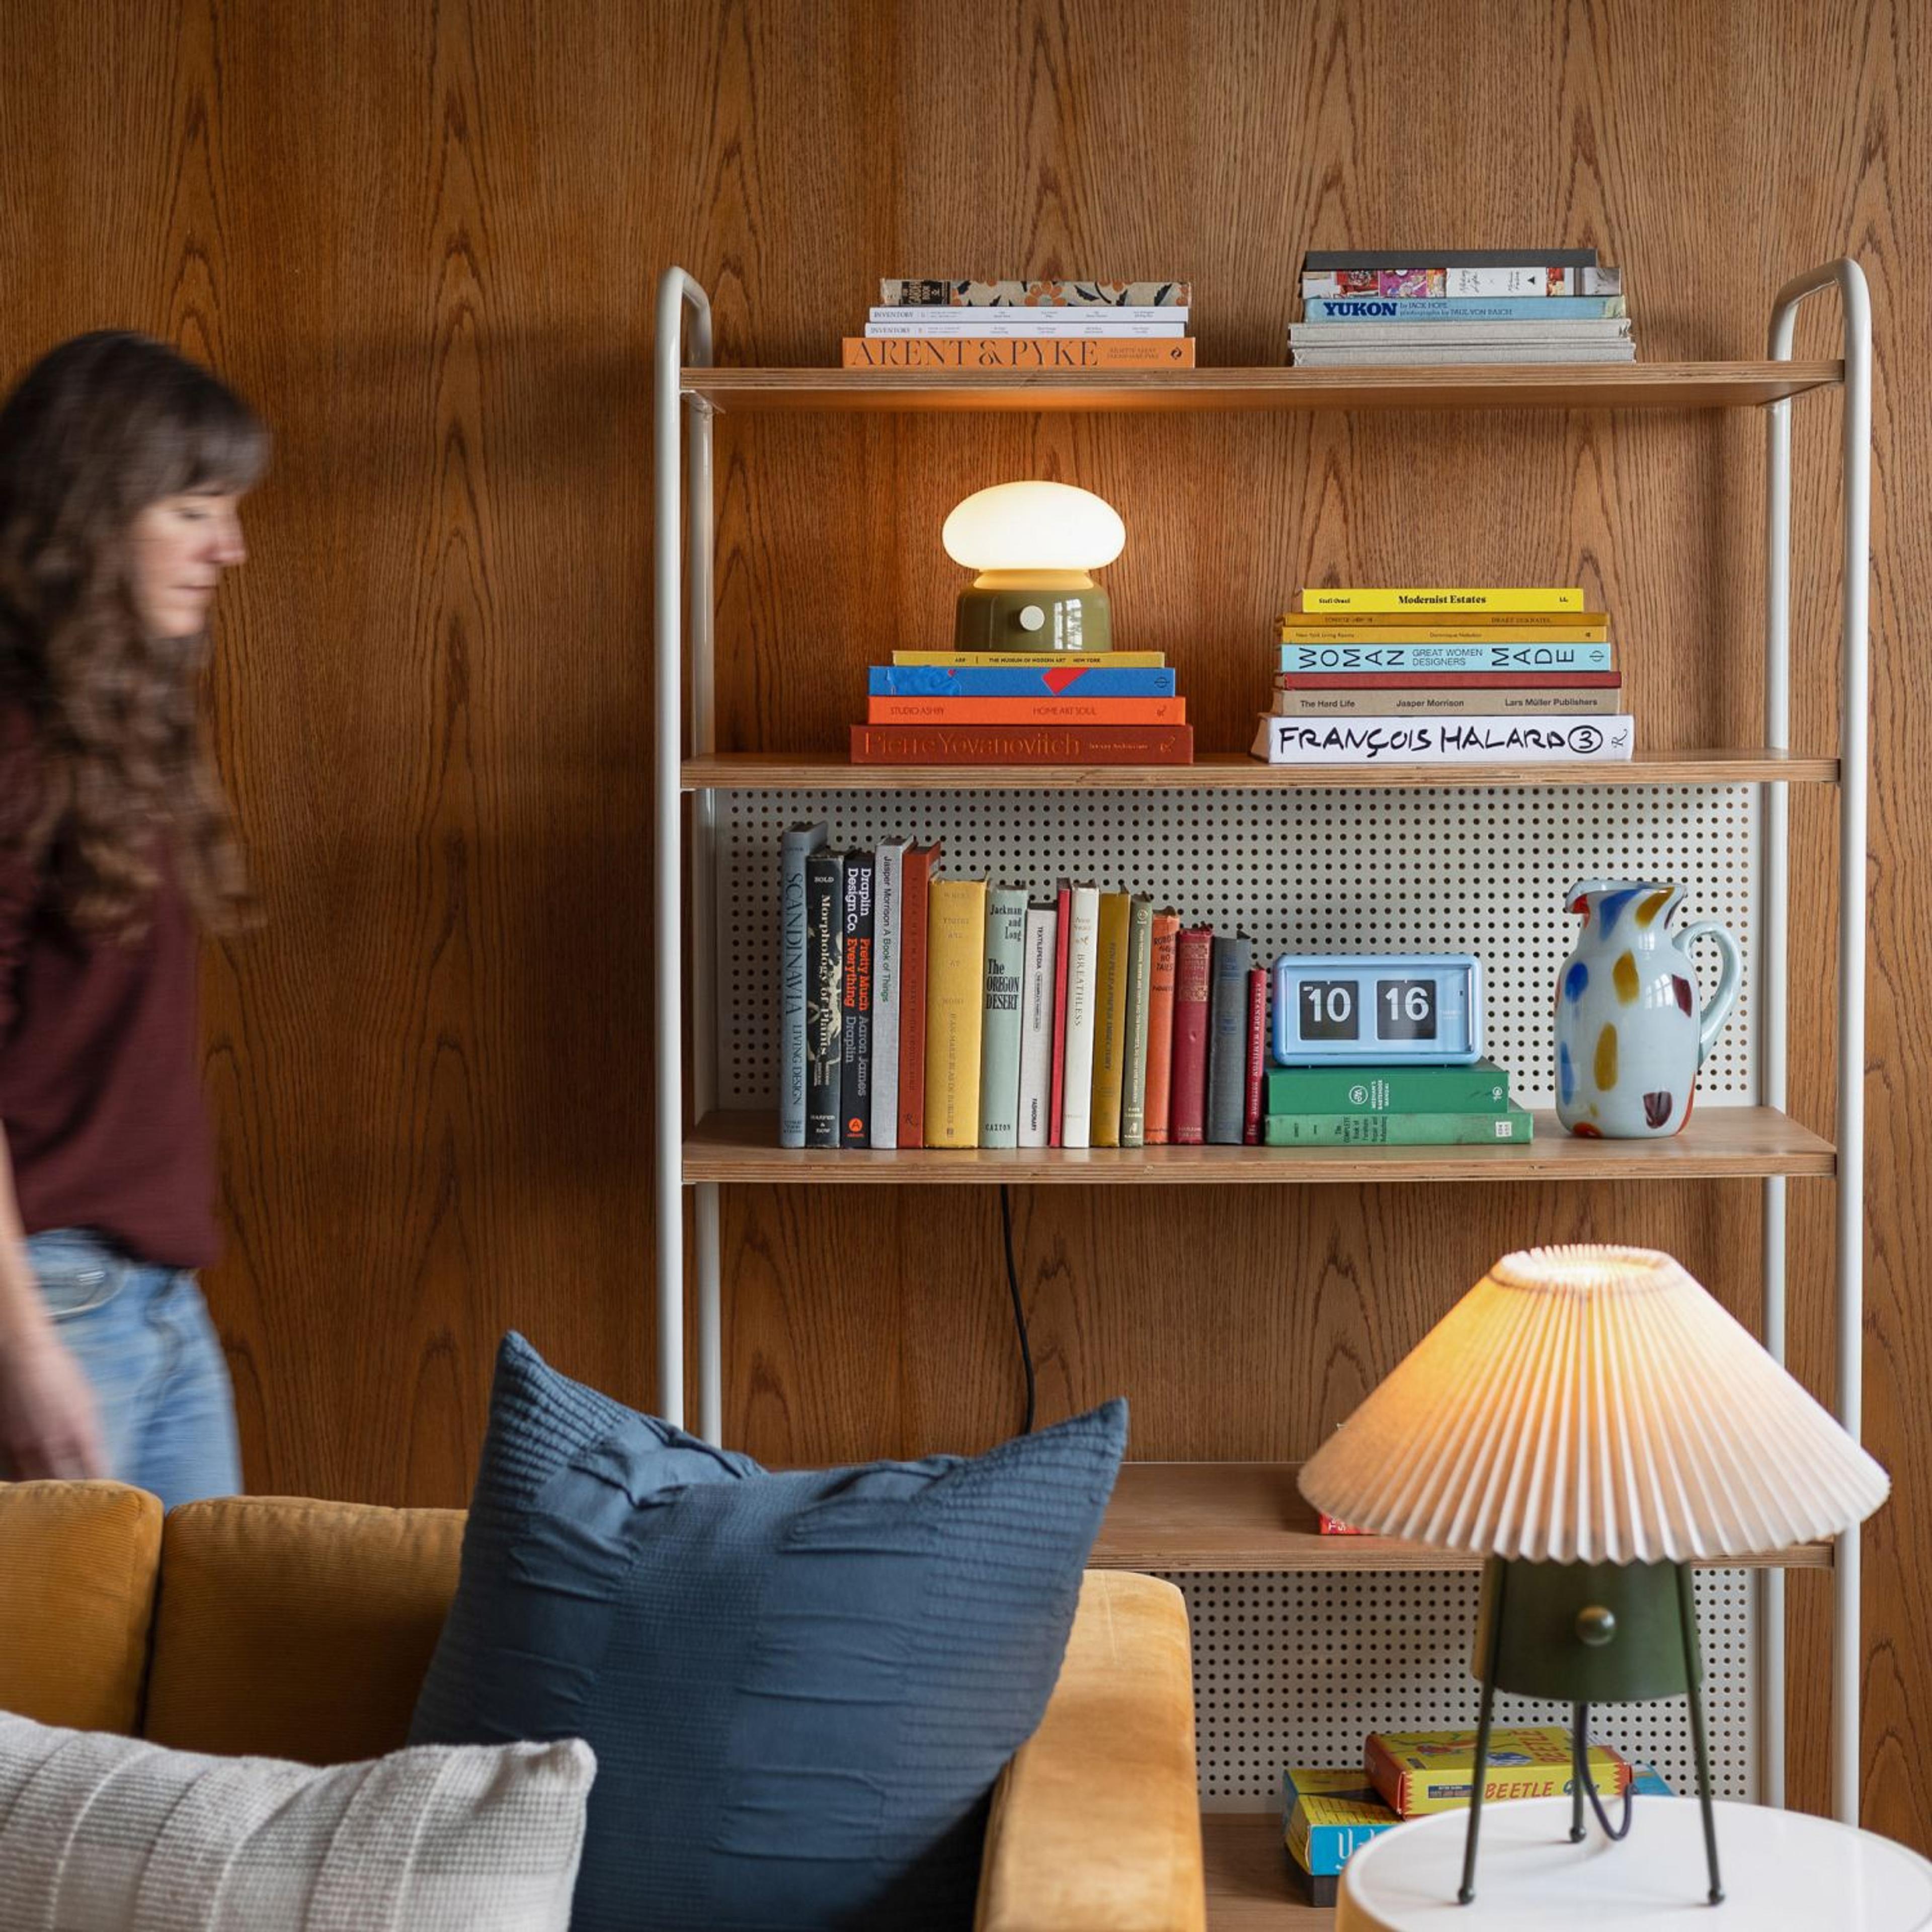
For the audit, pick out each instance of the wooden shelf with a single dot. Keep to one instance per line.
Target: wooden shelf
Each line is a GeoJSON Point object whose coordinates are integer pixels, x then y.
{"type": "Point", "coordinates": [1718, 1143]}
{"type": "Point", "coordinates": [1612, 386]}
{"type": "Point", "coordinates": [1177, 1516]}
{"type": "Point", "coordinates": [1235, 771]}
{"type": "Point", "coordinates": [1248, 1888]}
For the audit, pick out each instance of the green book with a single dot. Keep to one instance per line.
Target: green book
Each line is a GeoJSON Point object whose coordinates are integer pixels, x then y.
{"type": "Point", "coordinates": [1140, 961]}
{"type": "Point", "coordinates": [1444, 1129]}
{"type": "Point", "coordinates": [1481, 1088]}
{"type": "Point", "coordinates": [999, 1024]}
{"type": "Point", "coordinates": [1110, 1018]}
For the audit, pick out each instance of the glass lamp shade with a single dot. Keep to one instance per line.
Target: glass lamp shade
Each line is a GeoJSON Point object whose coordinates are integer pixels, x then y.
{"type": "Point", "coordinates": [1027, 527]}
{"type": "Point", "coordinates": [1593, 1405]}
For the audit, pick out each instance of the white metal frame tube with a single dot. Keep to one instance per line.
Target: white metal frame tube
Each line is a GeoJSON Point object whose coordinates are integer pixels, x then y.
{"type": "Point", "coordinates": [1854, 779]}
{"type": "Point", "coordinates": [680, 302]}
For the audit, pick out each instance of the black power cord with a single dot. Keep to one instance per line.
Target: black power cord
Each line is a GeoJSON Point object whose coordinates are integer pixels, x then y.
{"type": "Point", "coordinates": [1580, 1769]}
{"type": "Point", "coordinates": [1019, 1307]}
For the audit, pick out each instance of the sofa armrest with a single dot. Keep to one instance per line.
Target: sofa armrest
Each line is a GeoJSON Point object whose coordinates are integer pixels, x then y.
{"type": "Point", "coordinates": [1096, 1820]}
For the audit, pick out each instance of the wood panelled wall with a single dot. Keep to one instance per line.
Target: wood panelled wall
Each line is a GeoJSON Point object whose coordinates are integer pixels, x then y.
{"type": "Point", "coordinates": [423, 237]}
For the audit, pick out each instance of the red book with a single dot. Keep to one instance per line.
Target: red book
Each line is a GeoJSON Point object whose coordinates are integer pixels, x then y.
{"type": "Point", "coordinates": [919, 861]}
{"type": "Point", "coordinates": [1065, 931]}
{"type": "Point", "coordinates": [1160, 1025]}
{"type": "Point", "coordinates": [1029, 744]}
{"type": "Point", "coordinates": [1251, 1120]}
{"type": "Point", "coordinates": [1187, 1101]}
{"type": "Point", "coordinates": [1448, 680]}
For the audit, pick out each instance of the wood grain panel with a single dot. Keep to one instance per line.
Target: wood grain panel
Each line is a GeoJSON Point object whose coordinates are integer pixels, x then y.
{"type": "Point", "coordinates": [423, 237]}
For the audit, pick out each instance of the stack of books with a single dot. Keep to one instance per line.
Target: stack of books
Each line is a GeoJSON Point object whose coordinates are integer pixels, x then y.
{"type": "Point", "coordinates": [1401, 307]}
{"type": "Point", "coordinates": [1342, 1106]}
{"type": "Point", "coordinates": [1055, 324]}
{"type": "Point", "coordinates": [1023, 708]}
{"type": "Point", "coordinates": [1328, 1815]}
{"type": "Point", "coordinates": [1431, 676]}
{"type": "Point", "coordinates": [918, 1011]}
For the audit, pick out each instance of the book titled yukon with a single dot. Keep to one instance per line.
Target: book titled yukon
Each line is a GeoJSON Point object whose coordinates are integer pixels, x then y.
{"type": "Point", "coordinates": [1140, 973]}
{"type": "Point", "coordinates": [888, 941]}
{"type": "Point", "coordinates": [1051, 674]}
{"type": "Point", "coordinates": [825, 979]}
{"type": "Point", "coordinates": [915, 879]}
{"type": "Point", "coordinates": [800, 842]}
{"type": "Point", "coordinates": [1110, 1016]}
{"type": "Point", "coordinates": [999, 1022]}
{"type": "Point", "coordinates": [1233, 959]}
{"type": "Point", "coordinates": [1251, 1090]}
{"type": "Point", "coordinates": [1060, 355]}
{"type": "Point", "coordinates": [1482, 1087]}
{"type": "Point", "coordinates": [1526, 739]}
{"type": "Point", "coordinates": [1063, 940]}
{"type": "Point", "coordinates": [1491, 597]}
{"type": "Point", "coordinates": [1166, 931]}
{"type": "Point", "coordinates": [1427, 310]}
{"type": "Point", "coordinates": [1036, 1001]}
{"type": "Point", "coordinates": [1045, 292]}
{"type": "Point", "coordinates": [1193, 982]}
{"type": "Point", "coordinates": [1026, 711]}
{"type": "Point", "coordinates": [1482, 1127]}
{"type": "Point", "coordinates": [1417, 1772]}
{"type": "Point", "coordinates": [855, 885]}
{"type": "Point", "coordinates": [1082, 961]}
{"type": "Point", "coordinates": [1340, 659]}
{"type": "Point", "coordinates": [1535, 700]}
{"type": "Point", "coordinates": [1022, 745]}
{"type": "Point", "coordinates": [955, 931]}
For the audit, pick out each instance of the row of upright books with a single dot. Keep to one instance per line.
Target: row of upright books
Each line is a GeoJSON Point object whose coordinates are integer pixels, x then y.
{"type": "Point", "coordinates": [1435, 675]}
{"type": "Point", "coordinates": [921, 1011]}
{"type": "Point", "coordinates": [1051, 323]}
{"type": "Point", "coordinates": [1023, 708]}
{"type": "Point", "coordinates": [1394, 308]}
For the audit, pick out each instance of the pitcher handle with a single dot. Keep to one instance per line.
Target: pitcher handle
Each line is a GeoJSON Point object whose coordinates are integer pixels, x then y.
{"type": "Point", "coordinates": [1718, 1009]}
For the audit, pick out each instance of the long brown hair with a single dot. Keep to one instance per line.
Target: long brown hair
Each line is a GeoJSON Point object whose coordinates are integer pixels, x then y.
{"type": "Point", "coordinates": [96, 430]}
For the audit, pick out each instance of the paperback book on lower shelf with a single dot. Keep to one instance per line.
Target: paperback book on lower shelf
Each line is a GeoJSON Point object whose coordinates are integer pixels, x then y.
{"type": "Point", "coordinates": [1452, 740]}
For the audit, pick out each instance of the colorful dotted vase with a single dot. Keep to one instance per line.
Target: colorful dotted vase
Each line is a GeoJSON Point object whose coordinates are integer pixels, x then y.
{"type": "Point", "coordinates": [1630, 1035]}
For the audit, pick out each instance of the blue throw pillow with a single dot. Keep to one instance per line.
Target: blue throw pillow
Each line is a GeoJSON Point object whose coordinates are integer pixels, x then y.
{"type": "Point", "coordinates": [800, 1687]}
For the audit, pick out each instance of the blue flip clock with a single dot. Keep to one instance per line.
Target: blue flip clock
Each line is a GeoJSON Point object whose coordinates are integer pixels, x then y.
{"type": "Point", "coordinates": [1378, 1008]}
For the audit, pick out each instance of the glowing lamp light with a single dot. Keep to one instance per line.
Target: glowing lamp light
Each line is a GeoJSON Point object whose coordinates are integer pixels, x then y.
{"type": "Point", "coordinates": [1032, 545]}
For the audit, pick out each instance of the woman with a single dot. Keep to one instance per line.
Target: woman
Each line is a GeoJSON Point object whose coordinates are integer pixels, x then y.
{"type": "Point", "coordinates": [121, 469]}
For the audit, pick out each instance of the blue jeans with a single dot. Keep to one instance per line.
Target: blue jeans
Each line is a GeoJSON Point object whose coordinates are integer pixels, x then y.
{"type": "Point", "coordinates": [143, 1339]}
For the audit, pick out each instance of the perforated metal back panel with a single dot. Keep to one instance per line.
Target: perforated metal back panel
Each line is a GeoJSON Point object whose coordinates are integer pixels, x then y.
{"type": "Point", "coordinates": [1296, 1669]}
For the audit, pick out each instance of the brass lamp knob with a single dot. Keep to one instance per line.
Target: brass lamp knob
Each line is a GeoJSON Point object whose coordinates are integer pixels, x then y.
{"type": "Point", "coordinates": [1596, 1626]}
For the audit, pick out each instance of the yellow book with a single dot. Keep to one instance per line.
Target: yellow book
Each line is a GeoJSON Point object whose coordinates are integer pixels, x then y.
{"type": "Point", "coordinates": [1036, 660]}
{"type": "Point", "coordinates": [955, 953]}
{"type": "Point", "coordinates": [1588, 628]}
{"type": "Point", "coordinates": [1110, 1018]}
{"type": "Point", "coordinates": [1488, 598]}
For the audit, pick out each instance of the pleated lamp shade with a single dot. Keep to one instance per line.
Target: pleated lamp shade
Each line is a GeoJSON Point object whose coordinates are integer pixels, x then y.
{"type": "Point", "coordinates": [1593, 1405]}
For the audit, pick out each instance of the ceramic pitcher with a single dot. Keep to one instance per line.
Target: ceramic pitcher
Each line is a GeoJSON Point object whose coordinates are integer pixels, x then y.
{"type": "Point", "coordinates": [1629, 1036]}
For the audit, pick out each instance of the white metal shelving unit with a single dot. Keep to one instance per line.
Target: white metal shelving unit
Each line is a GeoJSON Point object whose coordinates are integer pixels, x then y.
{"type": "Point", "coordinates": [700, 1147]}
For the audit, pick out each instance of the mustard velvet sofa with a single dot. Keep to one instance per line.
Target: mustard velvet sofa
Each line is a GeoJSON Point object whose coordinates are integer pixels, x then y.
{"type": "Point", "coordinates": [287, 1628]}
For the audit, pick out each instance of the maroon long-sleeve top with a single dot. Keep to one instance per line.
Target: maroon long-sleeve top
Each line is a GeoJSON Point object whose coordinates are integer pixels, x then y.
{"type": "Point", "coordinates": [100, 1095]}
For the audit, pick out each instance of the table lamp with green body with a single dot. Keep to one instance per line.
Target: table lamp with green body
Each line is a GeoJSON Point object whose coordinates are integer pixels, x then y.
{"type": "Point", "coordinates": [1033, 545]}
{"type": "Point", "coordinates": [1590, 1421]}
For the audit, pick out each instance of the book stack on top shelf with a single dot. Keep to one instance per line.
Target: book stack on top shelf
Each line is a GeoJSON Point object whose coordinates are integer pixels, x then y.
{"type": "Point", "coordinates": [1434, 676]}
{"type": "Point", "coordinates": [918, 1011]}
{"type": "Point", "coordinates": [1398, 307]}
{"type": "Point", "coordinates": [1052, 323]}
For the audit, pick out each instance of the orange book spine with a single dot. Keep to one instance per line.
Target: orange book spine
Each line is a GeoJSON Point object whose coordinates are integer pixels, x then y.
{"type": "Point", "coordinates": [1160, 1024]}
{"type": "Point", "coordinates": [1055, 352]}
{"type": "Point", "coordinates": [1026, 711]}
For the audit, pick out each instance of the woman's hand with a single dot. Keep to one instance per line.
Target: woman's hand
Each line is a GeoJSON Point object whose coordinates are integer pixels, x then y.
{"type": "Point", "coordinates": [48, 1423]}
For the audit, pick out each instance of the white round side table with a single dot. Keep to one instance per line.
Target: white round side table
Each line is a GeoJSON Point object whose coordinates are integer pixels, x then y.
{"type": "Point", "coordinates": [1783, 1871]}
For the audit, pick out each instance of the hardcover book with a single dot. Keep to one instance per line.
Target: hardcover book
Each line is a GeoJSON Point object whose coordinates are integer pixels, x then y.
{"type": "Point", "coordinates": [1534, 701]}
{"type": "Point", "coordinates": [855, 1128]}
{"type": "Point", "coordinates": [1028, 660]}
{"type": "Point", "coordinates": [1449, 627]}
{"type": "Point", "coordinates": [1160, 1025]}
{"type": "Point", "coordinates": [915, 876]}
{"type": "Point", "coordinates": [1063, 941]}
{"type": "Point", "coordinates": [1251, 1097]}
{"type": "Point", "coordinates": [999, 1024]}
{"type": "Point", "coordinates": [1418, 1772]}
{"type": "Point", "coordinates": [1501, 739]}
{"type": "Point", "coordinates": [888, 876]}
{"type": "Point", "coordinates": [1482, 1087]}
{"type": "Point", "coordinates": [966, 317]}
{"type": "Point", "coordinates": [1067, 355]}
{"type": "Point", "coordinates": [1052, 674]}
{"type": "Point", "coordinates": [1022, 745]}
{"type": "Point", "coordinates": [1048, 291]}
{"type": "Point", "coordinates": [825, 970]}
{"type": "Point", "coordinates": [1193, 981]}
{"type": "Point", "coordinates": [1110, 1017]}
{"type": "Point", "coordinates": [1448, 680]}
{"type": "Point", "coordinates": [1343, 659]}
{"type": "Point", "coordinates": [1431, 330]}
{"type": "Point", "coordinates": [1035, 325]}
{"type": "Point", "coordinates": [1140, 967]}
{"type": "Point", "coordinates": [1326, 1815]}
{"type": "Point", "coordinates": [1082, 969]}
{"type": "Point", "coordinates": [1026, 711]}
{"type": "Point", "coordinates": [1478, 1128]}
{"type": "Point", "coordinates": [1334, 261]}
{"type": "Point", "coordinates": [1525, 308]}
{"type": "Point", "coordinates": [1233, 959]}
{"type": "Point", "coordinates": [1397, 355]}
{"type": "Point", "coordinates": [1493, 597]}
{"type": "Point", "coordinates": [800, 842]}
{"type": "Point", "coordinates": [1037, 1004]}
{"type": "Point", "coordinates": [955, 995]}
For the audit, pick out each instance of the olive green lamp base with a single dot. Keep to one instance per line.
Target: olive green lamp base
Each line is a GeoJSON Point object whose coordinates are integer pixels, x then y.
{"type": "Point", "coordinates": [1587, 1633]}
{"type": "Point", "coordinates": [1039, 617]}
